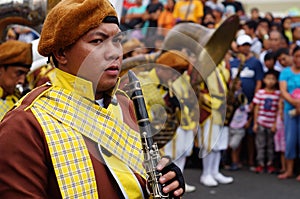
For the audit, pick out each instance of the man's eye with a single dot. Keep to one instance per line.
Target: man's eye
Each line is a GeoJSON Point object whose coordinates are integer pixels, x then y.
{"type": "Point", "coordinates": [97, 41]}
{"type": "Point", "coordinates": [117, 39]}
{"type": "Point", "coordinates": [19, 73]}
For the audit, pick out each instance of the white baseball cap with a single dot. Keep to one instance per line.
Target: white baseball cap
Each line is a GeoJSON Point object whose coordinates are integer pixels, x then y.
{"type": "Point", "coordinates": [243, 39]}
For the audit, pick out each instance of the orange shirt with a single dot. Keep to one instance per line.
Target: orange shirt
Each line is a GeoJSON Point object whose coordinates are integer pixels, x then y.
{"type": "Point", "coordinates": [166, 21]}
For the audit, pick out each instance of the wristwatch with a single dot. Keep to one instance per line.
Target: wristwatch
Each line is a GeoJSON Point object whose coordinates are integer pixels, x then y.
{"type": "Point", "coordinates": [265, 37]}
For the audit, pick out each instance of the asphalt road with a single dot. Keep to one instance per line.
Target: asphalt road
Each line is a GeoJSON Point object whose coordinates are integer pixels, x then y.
{"type": "Point", "coordinates": [247, 185]}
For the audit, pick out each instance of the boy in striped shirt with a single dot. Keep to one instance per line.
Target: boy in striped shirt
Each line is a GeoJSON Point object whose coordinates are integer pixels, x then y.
{"type": "Point", "coordinates": [265, 103]}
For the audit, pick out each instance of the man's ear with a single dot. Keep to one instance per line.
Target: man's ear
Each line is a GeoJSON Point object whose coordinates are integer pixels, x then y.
{"type": "Point", "coordinates": [60, 56]}
{"type": "Point", "coordinates": [2, 68]}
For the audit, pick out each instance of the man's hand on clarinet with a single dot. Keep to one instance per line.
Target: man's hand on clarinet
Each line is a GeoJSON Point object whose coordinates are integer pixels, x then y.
{"type": "Point", "coordinates": [172, 177]}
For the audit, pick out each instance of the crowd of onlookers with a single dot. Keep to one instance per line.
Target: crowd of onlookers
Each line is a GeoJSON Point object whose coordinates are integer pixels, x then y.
{"type": "Point", "coordinates": [269, 139]}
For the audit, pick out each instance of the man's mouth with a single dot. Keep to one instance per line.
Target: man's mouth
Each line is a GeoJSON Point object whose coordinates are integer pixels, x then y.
{"type": "Point", "coordinates": [112, 68]}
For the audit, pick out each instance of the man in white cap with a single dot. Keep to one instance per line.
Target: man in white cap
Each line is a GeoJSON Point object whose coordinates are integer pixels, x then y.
{"type": "Point", "coordinates": [251, 76]}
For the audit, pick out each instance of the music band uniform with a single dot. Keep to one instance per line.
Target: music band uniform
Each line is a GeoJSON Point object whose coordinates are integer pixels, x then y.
{"type": "Point", "coordinates": [157, 92]}
{"type": "Point", "coordinates": [66, 143]}
{"type": "Point", "coordinates": [12, 54]}
{"type": "Point", "coordinates": [35, 150]}
{"type": "Point", "coordinates": [212, 135]}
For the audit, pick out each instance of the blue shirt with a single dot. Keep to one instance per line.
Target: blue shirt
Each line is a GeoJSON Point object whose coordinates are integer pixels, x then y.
{"type": "Point", "coordinates": [292, 82]}
{"type": "Point", "coordinates": [251, 72]}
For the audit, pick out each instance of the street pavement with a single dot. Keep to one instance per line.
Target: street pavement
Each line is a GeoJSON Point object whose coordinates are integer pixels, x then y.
{"type": "Point", "coordinates": [246, 185]}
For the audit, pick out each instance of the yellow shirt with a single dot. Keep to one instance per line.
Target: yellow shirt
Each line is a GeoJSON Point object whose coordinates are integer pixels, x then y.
{"type": "Point", "coordinates": [182, 12]}
{"type": "Point", "coordinates": [6, 104]}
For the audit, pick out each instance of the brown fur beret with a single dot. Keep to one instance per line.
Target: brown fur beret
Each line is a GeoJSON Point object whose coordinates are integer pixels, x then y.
{"type": "Point", "coordinates": [69, 20]}
{"type": "Point", "coordinates": [15, 53]}
{"type": "Point", "coordinates": [174, 59]}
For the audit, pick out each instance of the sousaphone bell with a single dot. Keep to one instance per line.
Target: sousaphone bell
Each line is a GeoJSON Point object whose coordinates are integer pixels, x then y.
{"type": "Point", "coordinates": [209, 46]}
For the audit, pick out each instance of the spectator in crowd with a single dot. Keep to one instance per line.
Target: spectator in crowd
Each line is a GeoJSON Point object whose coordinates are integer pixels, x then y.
{"type": "Point", "coordinates": [289, 87]}
{"type": "Point", "coordinates": [276, 26]}
{"type": "Point", "coordinates": [166, 19]}
{"type": "Point", "coordinates": [262, 32]}
{"type": "Point", "coordinates": [266, 102]}
{"type": "Point", "coordinates": [286, 23]}
{"type": "Point", "coordinates": [279, 139]}
{"type": "Point", "coordinates": [255, 15]}
{"type": "Point", "coordinates": [269, 16]}
{"type": "Point", "coordinates": [153, 11]}
{"type": "Point", "coordinates": [135, 16]}
{"type": "Point", "coordinates": [209, 20]}
{"type": "Point", "coordinates": [269, 61]}
{"type": "Point", "coordinates": [276, 41]}
{"type": "Point", "coordinates": [296, 36]}
{"type": "Point", "coordinates": [212, 4]}
{"type": "Point", "coordinates": [284, 58]}
{"type": "Point", "coordinates": [188, 11]}
{"type": "Point", "coordinates": [250, 29]}
{"type": "Point", "coordinates": [234, 7]}
{"type": "Point", "coordinates": [251, 77]}
{"type": "Point", "coordinates": [218, 11]}
{"type": "Point", "coordinates": [237, 124]}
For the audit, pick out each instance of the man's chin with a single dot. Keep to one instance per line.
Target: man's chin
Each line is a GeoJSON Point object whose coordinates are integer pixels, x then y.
{"type": "Point", "coordinates": [107, 87]}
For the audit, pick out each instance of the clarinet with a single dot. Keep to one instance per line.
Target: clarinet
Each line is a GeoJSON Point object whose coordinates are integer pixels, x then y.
{"type": "Point", "coordinates": [150, 149]}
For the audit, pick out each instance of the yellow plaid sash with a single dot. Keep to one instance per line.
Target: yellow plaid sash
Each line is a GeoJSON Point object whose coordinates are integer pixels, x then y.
{"type": "Point", "coordinates": [66, 116]}
{"type": "Point", "coordinates": [124, 176]}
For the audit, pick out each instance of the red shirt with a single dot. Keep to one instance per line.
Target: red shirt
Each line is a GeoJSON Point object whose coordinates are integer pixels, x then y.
{"type": "Point", "coordinates": [268, 106]}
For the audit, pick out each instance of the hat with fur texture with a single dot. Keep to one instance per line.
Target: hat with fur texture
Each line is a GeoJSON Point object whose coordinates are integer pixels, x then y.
{"type": "Point", "coordinates": [174, 59]}
{"type": "Point", "coordinates": [70, 19]}
{"type": "Point", "coordinates": [15, 53]}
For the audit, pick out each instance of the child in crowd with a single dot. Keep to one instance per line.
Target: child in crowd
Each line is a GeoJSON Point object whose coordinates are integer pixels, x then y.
{"type": "Point", "coordinates": [237, 126]}
{"type": "Point", "coordinates": [269, 61]}
{"type": "Point", "coordinates": [279, 140]}
{"type": "Point", "coordinates": [266, 102]}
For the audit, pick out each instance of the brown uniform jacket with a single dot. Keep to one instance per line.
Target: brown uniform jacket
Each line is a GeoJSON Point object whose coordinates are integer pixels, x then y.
{"type": "Point", "coordinates": [26, 170]}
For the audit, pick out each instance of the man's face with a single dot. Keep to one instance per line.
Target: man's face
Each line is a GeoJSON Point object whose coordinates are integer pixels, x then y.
{"type": "Point", "coordinates": [247, 30]}
{"type": "Point", "coordinates": [10, 77]}
{"type": "Point", "coordinates": [285, 60]}
{"type": "Point", "coordinates": [296, 33]}
{"type": "Point", "coordinates": [275, 40]}
{"type": "Point", "coordinates": [96, 57]}
{"type": "Point", "coordinates": [244, 49]}
{"type": "Point", "coordinates": [296, 58]}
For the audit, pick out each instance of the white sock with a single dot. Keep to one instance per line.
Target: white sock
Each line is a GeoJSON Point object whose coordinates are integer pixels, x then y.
{"type": "Point", "coordinates": [207, 163]}
{"type": "Point", "coordinates": [216, 162]}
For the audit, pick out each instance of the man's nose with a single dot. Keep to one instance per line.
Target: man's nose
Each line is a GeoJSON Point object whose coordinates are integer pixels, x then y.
{"type": "Point", "coordinates": [21, 79]}
{"type": "Point", "coordinates": [113, 51]}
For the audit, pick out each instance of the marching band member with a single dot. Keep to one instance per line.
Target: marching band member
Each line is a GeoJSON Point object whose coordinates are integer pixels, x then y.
{"type": "Point", "coordinates": [75, 136]}
{"type": "Point", "coordinates": [15, 61]}
{"type": "Point", "coordinates": [168, 85]}
{"type": "Point", "coordinates": [213, 137]}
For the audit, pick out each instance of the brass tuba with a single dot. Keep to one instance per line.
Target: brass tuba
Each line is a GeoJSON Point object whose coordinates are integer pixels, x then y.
{"type": "Point", "coordinates": [209, 46]}
{"type": "Point", "coordinates": [30, 14]}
